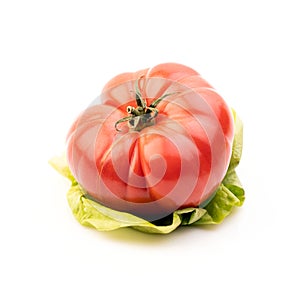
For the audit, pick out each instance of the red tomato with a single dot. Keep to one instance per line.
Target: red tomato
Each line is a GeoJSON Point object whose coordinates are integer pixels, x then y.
{"type": "Point", "coordinates": [155, 141]}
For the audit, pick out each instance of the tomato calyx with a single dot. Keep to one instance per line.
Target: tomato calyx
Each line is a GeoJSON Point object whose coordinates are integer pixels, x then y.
{"type": "Point", "coordinates": [142, 115]}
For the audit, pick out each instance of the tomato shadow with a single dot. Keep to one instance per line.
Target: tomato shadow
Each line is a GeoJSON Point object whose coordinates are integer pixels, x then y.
{"type": "Point", "coordinates": [132, 236]}
{"type": "Point", "coordinates": [182, 233]}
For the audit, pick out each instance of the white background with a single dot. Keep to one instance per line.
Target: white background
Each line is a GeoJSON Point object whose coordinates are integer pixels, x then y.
{"type": "Point", "coordinates": [55, 58]}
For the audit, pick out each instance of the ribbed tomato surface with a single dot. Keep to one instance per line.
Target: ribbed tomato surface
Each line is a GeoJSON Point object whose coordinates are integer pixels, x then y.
{"type": "Point", "coordinates": [154, 141]}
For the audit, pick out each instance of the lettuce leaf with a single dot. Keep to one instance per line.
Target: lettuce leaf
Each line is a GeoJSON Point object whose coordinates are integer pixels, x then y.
{"type": "Point", "coordinates": [229, 195]}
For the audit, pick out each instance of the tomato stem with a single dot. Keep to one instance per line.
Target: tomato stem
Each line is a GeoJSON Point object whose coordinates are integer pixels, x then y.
{"type": "Point", "coordinates": [141, 116]}
{"type": "Point", "coordinates": [138, 96]}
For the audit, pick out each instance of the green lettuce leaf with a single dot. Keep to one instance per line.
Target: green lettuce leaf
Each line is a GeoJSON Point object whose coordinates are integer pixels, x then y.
{"type": "Point", "coordinates": [90, 213]}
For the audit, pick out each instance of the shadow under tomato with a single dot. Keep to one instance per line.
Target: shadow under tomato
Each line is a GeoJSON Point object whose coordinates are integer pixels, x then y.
{"type": "Point", "coordinates": [133, 236]}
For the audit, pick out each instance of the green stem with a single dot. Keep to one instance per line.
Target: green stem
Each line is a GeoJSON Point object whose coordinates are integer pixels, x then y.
{"type": "Point", "coordinates": [141, 116]}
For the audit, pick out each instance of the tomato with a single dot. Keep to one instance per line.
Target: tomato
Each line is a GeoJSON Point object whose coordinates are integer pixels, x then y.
{"type": "Point", "coordinates": [154, 141]}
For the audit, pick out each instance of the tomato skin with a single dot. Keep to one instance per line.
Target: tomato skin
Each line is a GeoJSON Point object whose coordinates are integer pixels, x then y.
{"type": "Point", "coordinates": [177, 162]}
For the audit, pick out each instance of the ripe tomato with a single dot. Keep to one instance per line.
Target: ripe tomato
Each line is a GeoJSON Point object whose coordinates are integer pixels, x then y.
{"type": "Point", "coordinates": [155, 141]}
